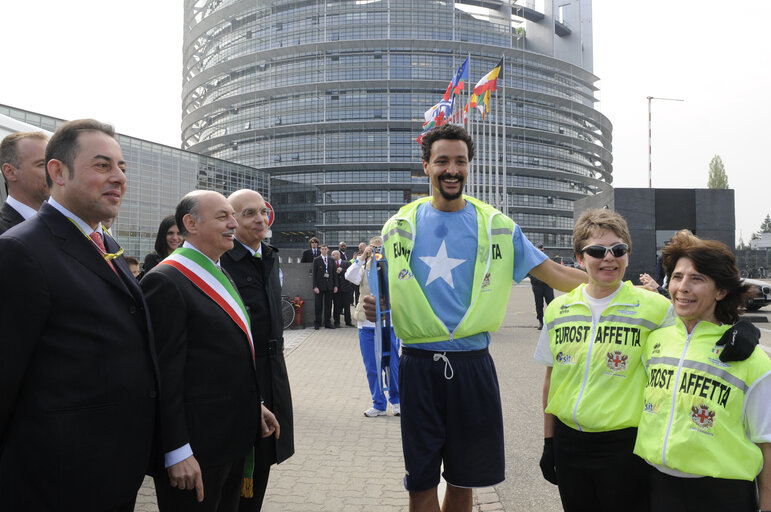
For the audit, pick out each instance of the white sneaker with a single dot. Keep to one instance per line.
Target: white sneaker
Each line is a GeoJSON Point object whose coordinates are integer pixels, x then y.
{"type": "Point", "coordinates": [397, 409]}
{"type": "Point", "coordinates": [372, 412]}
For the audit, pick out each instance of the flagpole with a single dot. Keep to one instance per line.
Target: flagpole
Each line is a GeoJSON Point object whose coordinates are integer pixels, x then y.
{"type": "Point", "coordinates": [497, 161]}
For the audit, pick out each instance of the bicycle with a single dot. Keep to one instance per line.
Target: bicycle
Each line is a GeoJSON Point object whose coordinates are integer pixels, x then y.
{"type": "Point", "coordinates": [287, 311]}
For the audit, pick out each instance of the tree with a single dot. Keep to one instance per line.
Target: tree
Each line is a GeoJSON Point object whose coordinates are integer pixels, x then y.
{"type": "Point", "coordinates": [717, 175]}
{"type": "Point", "coordinates": [765, 226]}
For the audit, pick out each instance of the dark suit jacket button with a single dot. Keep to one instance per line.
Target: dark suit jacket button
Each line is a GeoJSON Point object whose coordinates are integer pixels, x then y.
{"type": "Point", "coordinates": [132, 309]}
{"type": "Point", "coordinates": [248, 278]}
{"type": "Point", "coordinates": [153, 394]}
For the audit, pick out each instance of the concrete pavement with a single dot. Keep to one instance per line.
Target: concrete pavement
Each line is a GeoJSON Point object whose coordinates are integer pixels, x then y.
{"type": "Point", "coordinates": [345, 461]}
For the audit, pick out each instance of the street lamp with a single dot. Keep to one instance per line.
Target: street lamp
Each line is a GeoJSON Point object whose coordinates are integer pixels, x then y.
{"type": "Point", "coordinates": [650, 166]}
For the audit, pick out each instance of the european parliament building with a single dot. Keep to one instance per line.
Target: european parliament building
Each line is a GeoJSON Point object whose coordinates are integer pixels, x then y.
{"type": "Point", "coordinates": [328, 97]}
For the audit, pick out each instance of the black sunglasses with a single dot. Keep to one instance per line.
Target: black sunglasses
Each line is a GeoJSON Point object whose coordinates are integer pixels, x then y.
{"type": "Point", "coordinates": [599, 251]}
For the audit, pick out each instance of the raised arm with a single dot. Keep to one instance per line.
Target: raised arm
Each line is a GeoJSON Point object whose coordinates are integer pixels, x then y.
{"type": "Point", "coordinates": [559, 276]}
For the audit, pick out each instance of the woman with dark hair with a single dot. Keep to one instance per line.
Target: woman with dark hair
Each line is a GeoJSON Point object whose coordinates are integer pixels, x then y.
{"type": "Point", "coordinates": [166, 241]}
{"type": "Point", "coordinates": [706, 424]}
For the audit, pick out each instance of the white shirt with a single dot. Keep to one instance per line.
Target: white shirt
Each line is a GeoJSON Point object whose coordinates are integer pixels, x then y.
{"type": "Point", "coordinates": [354, 274]}
{"type": "Point", "coordinates": [84, 227]}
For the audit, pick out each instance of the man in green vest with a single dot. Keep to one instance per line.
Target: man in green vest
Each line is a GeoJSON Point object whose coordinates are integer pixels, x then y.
{"type": "Point", "coordinates": [451, 262]}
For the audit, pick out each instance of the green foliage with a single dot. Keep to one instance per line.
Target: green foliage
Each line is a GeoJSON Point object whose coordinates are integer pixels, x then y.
{"type": "Point", "coordinates": [765, 226]}
{"type": "Point", "coordinates": [717, 175]}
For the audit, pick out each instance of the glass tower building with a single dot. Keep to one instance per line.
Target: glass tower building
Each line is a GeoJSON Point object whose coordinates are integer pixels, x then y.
{"type": "Point", "coordinates": [328, 97]}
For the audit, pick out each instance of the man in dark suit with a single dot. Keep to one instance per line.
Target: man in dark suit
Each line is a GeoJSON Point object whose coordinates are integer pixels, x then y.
{"type": "Point", "coordinates": [23, 162]}
{"type": "Point", "coordinates": [324, 286]}
{"type": "Point", "coordinates": [312, 252]}
{"type": "Point", "coordinates": [342, 247]}
{"type": "Point", "coordinates": [78, 371]}
{"type": "Point", "coordinates": [210, 399]}
{"type": "Point", "coordinates": [344, 294]}
{"type": "Point", "coordinates": [253, 265]}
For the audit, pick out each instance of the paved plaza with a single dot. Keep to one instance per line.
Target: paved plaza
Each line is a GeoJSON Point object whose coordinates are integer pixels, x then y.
{"type": "Point", "coordinates": [347, 462]}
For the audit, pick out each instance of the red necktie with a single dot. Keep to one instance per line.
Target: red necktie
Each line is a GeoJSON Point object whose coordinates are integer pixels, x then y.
{"type": "Point", "coordinates": [97, 238]}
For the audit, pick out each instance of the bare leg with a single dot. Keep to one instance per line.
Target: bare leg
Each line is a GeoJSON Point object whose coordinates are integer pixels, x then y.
{"type": "Point", "coordinates": [457, 499]}
{"type": "Point", "coordinates": [424, 501]}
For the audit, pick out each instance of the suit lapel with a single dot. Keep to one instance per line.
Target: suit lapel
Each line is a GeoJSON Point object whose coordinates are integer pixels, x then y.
{"type": "Point", "coordinates": [10, 215]}
{"type": "Point", "coordinates": [78, 246]}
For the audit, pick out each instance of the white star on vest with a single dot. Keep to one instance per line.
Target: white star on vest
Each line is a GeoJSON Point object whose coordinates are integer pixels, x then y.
{"type": "Point", "coordinates": [441, 266]}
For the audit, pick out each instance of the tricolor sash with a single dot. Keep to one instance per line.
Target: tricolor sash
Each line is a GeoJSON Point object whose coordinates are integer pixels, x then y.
{"type": "Point", "coordinates": [213, 282]}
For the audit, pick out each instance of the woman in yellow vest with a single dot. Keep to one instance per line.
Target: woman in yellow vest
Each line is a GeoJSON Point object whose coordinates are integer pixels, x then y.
{"type": "Point", "coordinates": [706, 424]}
{"type": "Point", "coordinates": [592, 345]}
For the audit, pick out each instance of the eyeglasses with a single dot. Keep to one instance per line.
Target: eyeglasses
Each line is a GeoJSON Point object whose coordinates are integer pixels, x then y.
{"type": "Point", "coordinates": [599, 251]}
{"type": "Point", "coordinates": [251, 212]}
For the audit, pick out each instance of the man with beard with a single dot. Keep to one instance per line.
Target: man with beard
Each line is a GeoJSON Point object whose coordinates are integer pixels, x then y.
{"type": "Point", "coordinates": [451, 261]}
{"type": "Point", "coordinates": [23, 163]}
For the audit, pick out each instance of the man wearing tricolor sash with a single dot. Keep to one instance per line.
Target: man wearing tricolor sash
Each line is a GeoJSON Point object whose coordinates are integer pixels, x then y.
{"type": "Point", "coordinates": [210, 398]}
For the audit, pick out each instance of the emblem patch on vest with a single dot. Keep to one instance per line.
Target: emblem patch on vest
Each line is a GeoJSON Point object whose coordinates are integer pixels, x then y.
{"type": "Point", "coordinates": [651, 408]}
{"type": "Point", "coordinates": [616, 361]}
{"type": "Point", "coordinates": [563, 358]}
{"type": "Point", "coordinates": [629, 309]}
{"type": "Point", "coordinates": [656, 349]}
{"type": "Point", "coordinates": [702, 416]}
{"type": "Point", "coordinates": [405, 274]}
{"type": "Point", "coordinates": [564, 310]}
{"type": "Point", "coordinates": [486, 282]}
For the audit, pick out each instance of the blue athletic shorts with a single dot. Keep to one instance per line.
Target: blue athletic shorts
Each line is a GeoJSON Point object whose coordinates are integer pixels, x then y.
{"type": "Point", "coordinates": [451, 413]}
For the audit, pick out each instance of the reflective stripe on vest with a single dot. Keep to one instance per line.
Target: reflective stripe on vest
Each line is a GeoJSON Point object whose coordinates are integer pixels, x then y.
{"type": "Point", "coordinates": [598, 379]}
{"type": "Point", "coordinates": [413, 318]}
{"type": "Point", "coordinates": [693, 405]}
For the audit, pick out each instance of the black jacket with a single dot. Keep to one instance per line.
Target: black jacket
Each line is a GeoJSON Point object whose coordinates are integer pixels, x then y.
{"type": "Point", "coordinates": [260, 288]}
{"type": "Point", "coordinates": [9, 217]}
{"type": "Point", "coordinates": [78, 371]}
{"type": "Point", "coordinates": [209, 391]}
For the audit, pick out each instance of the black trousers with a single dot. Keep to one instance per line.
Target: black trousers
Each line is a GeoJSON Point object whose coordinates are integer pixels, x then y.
{"type": "Point", "coordinates": [542, 292]}
{"type": "Point", "coordinates": [221, 490]}
{"type": "Point", "coordinates": [597, 471]}
{"type": "Point", "coordinates": [674, 494]}
{"type": "Point", "coordinates": [323, 307]}
{"type": "Point", "coordinates": [342, 307]}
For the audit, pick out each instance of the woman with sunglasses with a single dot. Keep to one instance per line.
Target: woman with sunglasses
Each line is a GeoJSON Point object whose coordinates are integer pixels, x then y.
{"type": "Point", "coordinates": [592, 346]}
{"type": "Point", "coordinates": [702, 417]}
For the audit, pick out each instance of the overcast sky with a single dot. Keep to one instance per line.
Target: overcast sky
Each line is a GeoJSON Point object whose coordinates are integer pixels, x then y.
{"type": "Point", "coordinates": [121, 62]}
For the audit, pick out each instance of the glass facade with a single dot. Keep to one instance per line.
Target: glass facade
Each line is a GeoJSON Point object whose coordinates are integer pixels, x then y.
{"type": "Point", "coordinates": [158, 177]}
{"type": "Point", "coordinates": [328, 97]}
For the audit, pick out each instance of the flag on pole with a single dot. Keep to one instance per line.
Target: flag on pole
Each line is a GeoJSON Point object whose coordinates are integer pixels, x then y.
{"type": "Point", "coordinates": [489, 82]}
{"type": "Point", "coordinates": [460, 77]}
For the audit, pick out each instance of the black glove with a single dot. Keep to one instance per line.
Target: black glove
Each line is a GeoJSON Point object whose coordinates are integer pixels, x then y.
{"type": "Point", "coordinates": [740, 341]}
{"type": "Point", "coordinates": [547, 461]}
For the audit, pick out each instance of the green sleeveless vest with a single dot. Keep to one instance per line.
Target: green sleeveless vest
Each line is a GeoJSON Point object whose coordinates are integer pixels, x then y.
{"type": "Point", "coordinates": [702, 432]}
{"type": "Point", "coordinates": [413, 319]}
{"type": "Point", "coordinates": [598, 378]}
